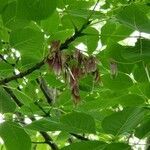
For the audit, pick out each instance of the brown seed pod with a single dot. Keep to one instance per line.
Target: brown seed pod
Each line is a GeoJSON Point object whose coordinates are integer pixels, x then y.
{"type": "Point", "coordinates": [90, 64]}
{"type": "Point", "coordinates": [96, 76]}
{"type": "Point", "coordinates": [75, 94]}
{"type": "Point", "coordinates": [55, 46]}
{"type": "Point", "coordinates": [57, 63]}
{"type": "Point", "coordinates": [55, 60]}
{"type": "Point", "coordinates": [113, 68]}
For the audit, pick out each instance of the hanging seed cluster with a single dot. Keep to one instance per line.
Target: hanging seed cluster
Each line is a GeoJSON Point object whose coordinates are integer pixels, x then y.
{"type": "Point", "coordinates": [73, 66]}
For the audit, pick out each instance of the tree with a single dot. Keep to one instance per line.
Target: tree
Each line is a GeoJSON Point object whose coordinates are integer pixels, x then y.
{"type": "Point", "coordinates": [74, 74]}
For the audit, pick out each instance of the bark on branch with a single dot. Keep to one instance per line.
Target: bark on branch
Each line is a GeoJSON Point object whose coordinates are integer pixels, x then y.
{"type": "Point", "coordinates": [40, 64]}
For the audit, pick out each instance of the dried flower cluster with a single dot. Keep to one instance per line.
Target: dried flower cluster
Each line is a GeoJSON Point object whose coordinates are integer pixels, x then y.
{"type": "Point", "coordinates": [113, 68]}
{"type": "Point", "coordinates": [73, 67]}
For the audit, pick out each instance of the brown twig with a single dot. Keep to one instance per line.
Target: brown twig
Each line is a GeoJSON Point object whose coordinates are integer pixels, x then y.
{"type": "Point", "coordinates": [24, 73]}
{"type": "Point", "coordinates": [45, 90]}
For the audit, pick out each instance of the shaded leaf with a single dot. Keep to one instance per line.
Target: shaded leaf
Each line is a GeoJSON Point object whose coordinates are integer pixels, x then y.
{"type": "Point", "coordinates": [134, 17]}
{"type": "Point", "coordinates": [113, 31]}
{"type": "Point", "coordinates": [118, 146]}
{"type": "Point", "coordinates": [9, 17]}
{"type": "Point", "coordinates": [36, 9]}
{"type": "Point", "coordinates": [120, 82]}
{"type": "Point", "coordinates": [139, 52]}
{"type": "Point", "coordinates": [96, 145]}
{"type": "Point", "coordinates": [144, 129]}
{"type": "Point", "coordinates": [79, 122]}
{"type": "Point", "coordinates": [15, 138]}
{"type": "Point", "coordinates": [124, 121]}
{"type": "Point", "coordinates": [29, 43]}
{"type": "Point", "coordinates": [73, 122]}
{"type": "Point", "coordinates": [89, 145]}
{"type": "Point", "coordinates": [6, 104]}
{"type": "Point", "coordinates": [51, 24]}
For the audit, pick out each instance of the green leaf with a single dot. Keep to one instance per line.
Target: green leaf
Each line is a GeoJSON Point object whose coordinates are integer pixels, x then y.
{"type": "Point", "coordinates": [124, 121]}
{"type": "Point", "coordinates": [15, 138]}
{"type": "Point", "coordinates": [9, 17]}
{"type": "Point", "coordinates": [134, 17]}
{"type": "Point", "coordinates": [30, 110]}
{"type": "Point", "coordinates": [80, 122]}
{"type": "Point", "coordinates": [120, 82]}
{"type": "Point", "coordinates": [30, 44]}
{"type": "Point", "coordinates": [144, 129]}
{"type": "Point", "coordinates": [3, 3]}
{"type": "Point", "coordinates": [65, 99]}
{"type": "Point", "coordinates": [118, 146]}
{"type": "Point", "coordinates": [90, 39]}
{"type": "Point", "coordinates": [5, 69]}
{"type": "Point", "coordinates": [62, 35]}
{"type": "Point", "coordinates": [113, 31]}
{"type": "Point", "coordinates": [6, 104]}
{"type": "Point", "coordinates": [110, 110]}
{"type": "Point", "coordinates": [45, 125]}
{"type": "Point", "coordinates": [51, 24]}
{"type": "Point", "coordinates": [36, 9]}
{"type": "Point", "coordinates": [63, 136]}
{"type": "Point", "coordinates": [142, 89]}
{"type": "Point", "coordinates": [84, 13]}
{"type": "Point", "coordinates": [23, 98]}
{"type": "Point", "coordinates": [89, 145]}
{"type": "Point", "coordinates": [139, 52]}
{"type": "Point", "coordinates": [86, 83]}
{"type": "Point", "coordinates": [73, 4]}
{"type": "Point", "coordinates": [70, 22]}
{"type": "Point", "coordinates": [96, 145]}
{"type": "Point", "coordinates": [128, 100]}
{"type": "Point", "coordinates": [74, 122]}
{"type": "Point", "coordinates": [114, 51]}
{"type": "Point", "coordinates": [52, 80]}
{"type": "Point", "coordinates": [139, 73]}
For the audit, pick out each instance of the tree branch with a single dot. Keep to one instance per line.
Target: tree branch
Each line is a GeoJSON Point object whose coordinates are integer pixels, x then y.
{"type": "Point", "coordinates": [75, 36]}
{"type": "Point", "coordinates": [46, 113]}
{"type": "Point", "coordinates": [12, 95]}
{"type": "Point", "coordinates": [24, 73]}
{"type": "Point", "coordinates": [49, 140]}
{"type": "Point", "coordinates": [40, 64]}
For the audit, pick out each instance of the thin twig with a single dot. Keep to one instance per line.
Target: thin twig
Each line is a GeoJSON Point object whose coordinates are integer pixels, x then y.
{"type": "Point", "coordinates": [2, 58]}
{"type": "Point", "coordinates": [41, 108]}
{"type": "Point", "coordinates": [45, 90]}
{"type": "Point", "coordinates": [24, 73]}
{"type": "Point", "coordinates": [10, 92]}
{"type": "Point", "coordinates": [49, 140]}
{"type": "Point", "coordinates": [78, 33]}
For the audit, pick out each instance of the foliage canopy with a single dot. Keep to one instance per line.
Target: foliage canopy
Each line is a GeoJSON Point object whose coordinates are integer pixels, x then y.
{"type": "Point", "coordinates": [74, 74]}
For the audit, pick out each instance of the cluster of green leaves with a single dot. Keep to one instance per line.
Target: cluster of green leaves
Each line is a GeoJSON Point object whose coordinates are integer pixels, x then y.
{"type": "Point", "coordinates": [40, 102]}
